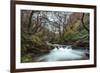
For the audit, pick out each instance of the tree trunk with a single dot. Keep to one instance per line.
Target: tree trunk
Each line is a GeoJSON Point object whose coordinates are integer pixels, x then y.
{"type": "Point", "coordinates": [82, 20]}
{"type": "Point", "coordinates": [30, 21]}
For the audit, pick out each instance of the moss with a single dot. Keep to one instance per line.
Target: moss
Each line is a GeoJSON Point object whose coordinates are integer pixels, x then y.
{"type": "Point", "coordinates": [26, 58]}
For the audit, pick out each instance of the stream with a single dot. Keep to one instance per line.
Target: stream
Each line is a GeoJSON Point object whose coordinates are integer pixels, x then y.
{"type": "Point", "coordinates": [64, 53]}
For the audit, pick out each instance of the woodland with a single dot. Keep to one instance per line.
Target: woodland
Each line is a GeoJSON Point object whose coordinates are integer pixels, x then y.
{"type": "Point", "coordinates": [38, 28]}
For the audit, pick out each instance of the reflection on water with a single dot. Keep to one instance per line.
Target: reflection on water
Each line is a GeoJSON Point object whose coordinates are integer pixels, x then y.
{"type": "Point", "coordinates": [64, 54]}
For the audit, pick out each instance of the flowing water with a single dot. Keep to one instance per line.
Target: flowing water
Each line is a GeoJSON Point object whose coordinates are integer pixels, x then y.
{"type": "Point", "coordinates": [64, 54]}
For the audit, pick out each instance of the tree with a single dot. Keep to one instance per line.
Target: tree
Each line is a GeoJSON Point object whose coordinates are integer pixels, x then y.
{"type": "Point", "coordinates": [83, 23]}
